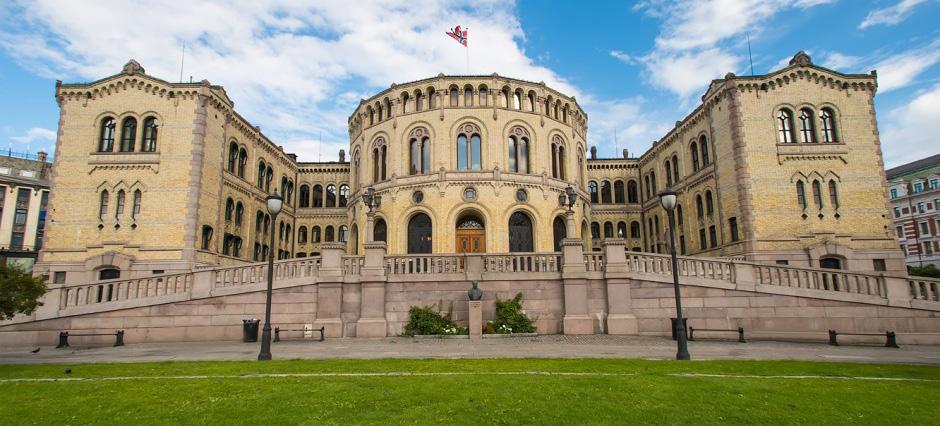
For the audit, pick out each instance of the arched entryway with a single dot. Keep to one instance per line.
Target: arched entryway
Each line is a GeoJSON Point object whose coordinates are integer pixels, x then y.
{"type": "Point", "coordinates": [109, 274]}
{"type": "Point", "coordinates": [559, 232]}
{"type": "Point", "coordinates": [830, 263]}
{"type": "Point", "coordinates": [520, 233]}
{"type": "Point", "coordinates": [419, 234]}
{"type": "Point", "coordinates": [380, 230]}
{"type": "Point", "coordinates": [470, 234]}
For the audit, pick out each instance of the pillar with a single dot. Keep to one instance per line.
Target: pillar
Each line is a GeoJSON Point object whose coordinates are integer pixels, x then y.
{"type": "Point", "coordinates": [330, 288]}
{"type": "Point", "coordinates": [620, 318]}
{"type": "Point", "coordinates": [476, 320]}
{"type": "Point", "coordinates": [575, 284]}
{"type": "Point", "coordinates": [372, 321]}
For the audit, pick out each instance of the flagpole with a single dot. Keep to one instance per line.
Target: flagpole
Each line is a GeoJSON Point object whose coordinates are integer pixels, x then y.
{"type": "Point", "coordinates": [468, 50]}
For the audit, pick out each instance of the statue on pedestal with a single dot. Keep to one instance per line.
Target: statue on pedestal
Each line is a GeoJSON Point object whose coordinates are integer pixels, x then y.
{"type": "Point", "coordinates": [474, 293]}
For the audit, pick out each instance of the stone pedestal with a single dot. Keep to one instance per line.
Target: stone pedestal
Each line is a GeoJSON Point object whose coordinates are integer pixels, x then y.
{"type": "Point", "coordinates": [372, 321]}
{"type": "Point", "coordinates": [575, 284]}
{"type": "Point", "coordinates": [330, 289]}
{"type": "Point", "coordinates": [476, 320]}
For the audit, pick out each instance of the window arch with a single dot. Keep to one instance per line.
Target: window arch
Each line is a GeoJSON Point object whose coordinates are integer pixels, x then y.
{"type": "Point", "coordinates": [605, 192]}
{"type": "Point", "coordinates": [405, 103]}
{"type": "Point", "coordinates": [380, 230]}
{"type": "Point", "coordinates": [558, 158]}
{"type": "Point", "coordinates": [621, 230]}
{"type": "Point", "coordinates": [128, 134]}
{"type": "Point", "coordinates": [106, 137]}
{"type": "Point", "coordinates": [618, 192]}
{"type": "Point", "coordinates": [239, 213]}
{"type": "Point", "coordinates": [229, 209]}
{"type": "Point", "coordinates": [343, 234]}
{"type": "Point", "coordinates": [709, 204]}
{"type": "Point", "coordinates": [261, 173]}
{"type": "Point", "coordinates": [807, 125]}
{"type": "Point", "coordinates": [454, 96]}
{"type": "Point", "coordinates": [693, 153]}
{"type": "Point", "coordinates": [150, 135]}
{"type": "Point", "coordinates": [317, 196]}
{"type": "Point", "coordinates": [302, 235]}
{"type": "Point", "coordinates": [703, 145]}
{"type": "Point", "coordinates": [559, 233]}
{"type": "Point", "coordinates": [785, 126]}
{"type": "Point", "coordinates": [432, 98]}
{"type": "Point", "coordinates": [504, 97]}
{"type": "Point", "coordinates": [595, 230]}
{"type": "Point", "coordinates": [119, 211]}
{"type": "Point", "coordinates": [469, 148]}
{"type": "Point", "coordinates": [135, 212]}
{"type": "Point", "coordinates": [592, 189]}
{"type": "Point", "coordinates": [484, 93]}
{"type": "Point", "coordinates": [304, 196]}
{"type": "Point", "coordinates": [315, 234]}
{"type": "Point", "coordinates": [419, 144]}
{"type": "Point", "coordinates": [801, 194]}
{"type": "Point", "coordinates": [517, 100]}
{"type": "Point", "coordinates": [379, 160]}
{"type": "Point", "coordinates": [668, 168]}
{"type": "Point", "coordinates": [519, 150]}
{"type": "Point", "coordinates": [419, 101]}
{"type": "Point", "coordinates": [328, 234]}
{"type": "Point", "coordinates": [817, 194]}
{"type": "Point", "coordinates": [103, 205]}
{"type": "Point", "coordinates": [675, 167]}
{"type": "Point", "coordinates": [632, 195]}
{"type": "Point", "coordinates": [268, 177]}
{"type": "Point", "coordinates": [699, 210]}
{"type": "Point", "coordinates": [530, 104]}
{"type": "Point", "coordinates": [828, 125]}
{"type": "Point", "coordinates": [419, 234]}
{"type": "Point", "coordinates": [331, 195]}
{"type": "Point", "coordinates": [834, 194]}
{"type": "Point", "coordinates": [232, 157]}
{"type": "Point", "coordinates": [242, 162]}
{"type": "Point", "coordinates": [634, 229]}
{"type": "Point", "coordinates": [343, 195]}
{"type": "Point", "coordinates": [468, 95]}
{"type": "Point", "coordinates": [520, 233]}
{"type": "Point", "coordinates": [608, 230]}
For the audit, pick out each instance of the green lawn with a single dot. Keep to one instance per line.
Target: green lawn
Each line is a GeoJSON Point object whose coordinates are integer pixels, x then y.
{"type": "Point", "coordinates": [612, 391]}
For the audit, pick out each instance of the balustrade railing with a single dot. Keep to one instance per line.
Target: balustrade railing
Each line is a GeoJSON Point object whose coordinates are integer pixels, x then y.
{"type": "Point", "coordinates": [649, 263]}
{"type": "Point", "coordinates": [820, 279]}
{"type": "Point", "coordinates": [425, 264]}
{"type": "Point", "coordinates": [522, 262]}
{"type": "Point", "coordinates": [110, 291]}
{"type": "Point", "coordinates": [236, 276]}
{"type": "Point", "coordinates": [352, 265]}
{"type": "Point", "coordinates": [594, 261]}
{"type": "Point", "coordinates": [923, 288]}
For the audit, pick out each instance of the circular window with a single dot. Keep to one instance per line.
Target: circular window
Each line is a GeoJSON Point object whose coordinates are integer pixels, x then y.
{"type": "Point", "coordinates": [470, 194]}
{"type": "Point", "coordinates": [521, 195]}
{"type": "Point", "coordinates": [417, 197]}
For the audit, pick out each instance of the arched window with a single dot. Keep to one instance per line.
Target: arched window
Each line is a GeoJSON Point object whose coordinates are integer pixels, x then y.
{"type": "Point", "coordinates": [106, 138]}
{"type": "Point", "coordinates": [343, 194]}
{"type": "Point", "coordinates": [150, 135]}
{"type": "Point", "coordinates": [420, 151]}
{"type": "Point", "coordinates": [564, 114]}
{"type": "Point", "coordinates": [555, 109]}
{"type": "Point", "coordinates": [668, 168]}
{"type": "Point", "coordinates": [519, 150]}
{"type": "Point", "coordinates": [634, 229]}
{"type": "Point", "coordinates": [785, 126]}
{"type": "Point", "coordinates": [328, 234]}
{"type": "Point", "coordinates": [304, 196]}
{"type": "Point", "coordinates": [834, 195]}
{"type": "Point", "coordinates": [380, 230]}
{"type": "Point", "coordinates": [242, 161]}
{"type": "Point", "coordinates": [817, 194]}
{"type": "Point", "coordinates": [468, 148]}
{"type": "Point", "coordinates": [315, 234]}
{"type": "Point", "coordinates": [232, 157]}
{"type": "Point", "coordinates": [709, 204]}
{"type": "Point", "coordinates": [120, 205]}
{"type": "Point", "coordinates": [592, 189]}
{"type": "Point", "coordinates": [807, 126]}
{"type": "Point", "coordinates": [405, 103]}
{"type": "Point", "coordinates": [679, 217]}
{"type": "Point", "coordinates": [703, 145]}
{"type": "Point", "coordinates": [530, 105]}
{"type": "Point", "coordinates": [605, 192]}
{"type": "Point", "coordinates": [229, 209]}
{"type": "Point", "coordinates": [828, 125]}
{"type": "Point", "coordinates": [239, 213]}
{"type": "Point", "coordinates": [317, 196]}
{"type": "Point", "coordinates": [621, 230]}
{"type": "Point", "coordinates": [468, 96]}
{"type": "Point", "coordinates": [517, 100]}
{"type": "Point", "coordinates": [675, 168]}
{"type": "Point", "coordinates": [618, 192]}
{"type": "Point", "coordinates": [343, 233]}
{"type": "Point", "coordinates": [520, 233]}
{"type": "Point", "coordinates": [693, 152]}
{"type": "Point", "coordinates": [801, 194]}
{"type": "Point", "coordinates": [504, 97]}
{"type": "Point", "coordinates": [331, 195]}
{"type": "Point", "coordinates": [103, 205]}
{"type": "Point", "coordinates": [261, 173]}
{"type": "Point", "coordinates": [699, 210]}
{"type": "Point", "coordinates": [558, 158]}
{"type": "Point", "coordinates": [646, 180]}
{"type": "Point", "coordinates": [454, 96]}
{"type": "Point", "coordinates": [419, 101]}
{"type": "Point", "coordinates": [632, 195]}
{"type": "Point", "coordinates": [268, 177]}
{"type": "Point", "coordinates": [483, 95]}
{"type": "Point", "coordinates": [608, 230]}
{"type": "Point", "coordinates": [432, 98]}
{"type": "Point", "coordinates": [419, 234]}
{"type": "Point", "coordinates": [302, 235]}
{"type": "Point", "coordinates": [595, 230]}
{"type": "Point", "coordinates": [559, 233]}
{"type": "Point", "coordinates": [653, 182]}
{"type": "Point", "coordinates": [135, 213]}
{"type": "Point", "coordinates": [259, 224]}
{"type": "Point", "coordinates": [128, 134]}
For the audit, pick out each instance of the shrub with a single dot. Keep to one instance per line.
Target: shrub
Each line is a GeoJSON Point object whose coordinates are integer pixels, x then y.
{"type": "Point", "coordinates": [924, 271]}
{"type": "Point", "coordinates": [509, 317]}
{"type": "Point", "coordinates": [425, 320]}
{"type": "Point", "coordinates": [488, 328]}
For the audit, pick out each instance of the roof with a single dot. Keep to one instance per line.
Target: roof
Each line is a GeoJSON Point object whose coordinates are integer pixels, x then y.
{"type": "Point", "coordinates": [913, 167]}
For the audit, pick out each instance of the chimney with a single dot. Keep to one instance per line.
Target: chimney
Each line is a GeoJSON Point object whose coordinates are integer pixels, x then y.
{"type": "Point", "coordinates": [41, 155]}
{"type": "Point", "coordinates": [626, 154]}
{"type": "Point", "coordinates": [342, 156]}
{"type": "Point", "coordinates": [593, 152]}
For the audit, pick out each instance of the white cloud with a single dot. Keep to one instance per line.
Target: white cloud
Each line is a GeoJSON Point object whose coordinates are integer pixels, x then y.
{"type": "Point", "coordinates": [840, 62]}
{"type": "Point", "coordinates": [623, 57]}
{"type": "Point", "coordinates": [901, 69]}
{"type": "Point", "coordinates": [622, 123]}
{"type": "Point", "coordinates": [890, 15]}
{"type": "Point", "coordinates": [289, 66]}
{"type": "Point", "coordinates": [36, 134]}
{"type": "Point", "coordinates": [909, 132]}
{"type": "Point", "coordinates": [686, 73]}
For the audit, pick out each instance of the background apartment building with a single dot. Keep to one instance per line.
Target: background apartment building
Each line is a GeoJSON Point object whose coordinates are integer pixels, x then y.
{"type": "Point", "coordinates": [24, 195]}
{"type": "Point", "coordinates": [915, 199]}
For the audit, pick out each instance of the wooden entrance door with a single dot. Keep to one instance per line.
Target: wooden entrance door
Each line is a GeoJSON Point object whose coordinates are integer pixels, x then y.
{"type": "Point", "coordinates": [471, 240]}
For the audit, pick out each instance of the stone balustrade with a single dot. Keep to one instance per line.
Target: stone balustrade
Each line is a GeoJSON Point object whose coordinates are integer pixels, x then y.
{"type": "Point", "coordinates": [425, 264]}
{"type": "Point", "coordinates": [820, 279]}
{"type": "Point", "coordinates": [652, 263]}
{"type": "Point", "coordinates": [923, 288]}
{"type": "Point", "coordinates": [118, 290]}
{"type": "Point", "coordinates": [594, 262]}
{"type": "Point", "coordinates": [522, 262]}
{"type": "Point", "coordinates": [352, 265]}
{"type": "Point", "coordinates": [256, 273]}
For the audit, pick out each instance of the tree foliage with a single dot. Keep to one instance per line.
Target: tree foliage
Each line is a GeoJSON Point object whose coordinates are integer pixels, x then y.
{"type": "Point", "coordinates": [19, 292]}
{"type": "Point", "coordinates": [924, 271]}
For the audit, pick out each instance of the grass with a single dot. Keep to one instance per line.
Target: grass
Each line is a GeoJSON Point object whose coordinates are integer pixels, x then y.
{"type": "Point", "coordinates": [633, 391]}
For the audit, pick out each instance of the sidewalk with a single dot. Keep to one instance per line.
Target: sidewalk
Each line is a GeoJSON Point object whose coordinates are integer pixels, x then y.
{"type": "Point", "coordinates": [552, 346]}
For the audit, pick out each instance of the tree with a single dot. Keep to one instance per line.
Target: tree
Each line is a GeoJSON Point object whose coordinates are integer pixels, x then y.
{"type": "Point", "coordinates": [19, 292]}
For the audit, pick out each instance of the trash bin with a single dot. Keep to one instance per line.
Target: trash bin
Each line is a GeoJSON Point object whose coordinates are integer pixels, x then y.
{"type": "Point", "coordinates": [250, 330]}
{"type": "Point", "coordinates": [685, 323]}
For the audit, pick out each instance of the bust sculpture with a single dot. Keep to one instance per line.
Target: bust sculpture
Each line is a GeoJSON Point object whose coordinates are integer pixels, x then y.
{"type": "Point", "coordinates": [474, 293]}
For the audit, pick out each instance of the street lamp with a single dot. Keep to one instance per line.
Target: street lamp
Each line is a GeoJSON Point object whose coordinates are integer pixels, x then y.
{"type": "Point", "coordinates": [371, 199]}
{"type": "Point", "coordinates": [567, 199]}
{"type": "Point", "coordinates": [274, 202]}
{"type": "Point", "coordinates": [668, 200]}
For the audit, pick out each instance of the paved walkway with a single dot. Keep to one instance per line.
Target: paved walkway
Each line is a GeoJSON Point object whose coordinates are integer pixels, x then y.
{"type": "Point", "coordinates": [555, 346]}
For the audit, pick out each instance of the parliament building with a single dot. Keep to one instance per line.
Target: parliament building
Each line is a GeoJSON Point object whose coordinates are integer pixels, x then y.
{"type": "Point", "coordinates": [157, 177]}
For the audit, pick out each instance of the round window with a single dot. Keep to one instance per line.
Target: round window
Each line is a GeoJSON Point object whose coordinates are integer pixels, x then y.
{"type": "Point", "coordinates": [417, 197]}
{"type": "Point", "coordinates": [470, 194]}
{"type": "Point", "coordinates": [521, 195]}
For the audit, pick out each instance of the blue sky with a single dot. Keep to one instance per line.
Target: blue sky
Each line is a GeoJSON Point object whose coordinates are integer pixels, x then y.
{"type": "Point", "coordinates": [297, 69]}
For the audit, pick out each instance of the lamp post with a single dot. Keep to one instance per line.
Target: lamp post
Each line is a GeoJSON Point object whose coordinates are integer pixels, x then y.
{"type": "Point", "coordinates": [274, 202]}
{"type": "Point", "coordinates": [668, 200]}
{"type": "Point", "coordinates": [371, 200]}
{"type": "Point", "coordinates": [567, 199]}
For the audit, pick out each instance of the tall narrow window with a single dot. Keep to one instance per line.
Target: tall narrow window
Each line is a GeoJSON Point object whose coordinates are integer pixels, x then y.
{"type": "Point", "coordinates": [520, 233]}
{"type": "Point", "coordinates": [709, 204]}
{"type": "Point", "coordinates": [558, 158]}
{"type": "Point", "coordinates": [419, 101]}
{"type": "Point", "coordinates": [380, 230]}
{"type": "Point", "coordinates": [634, 229]}
{"type": "Point", "coordinates": [304, 196]}
{"type": "Point", "coordinates": [605, 192]}
{"type": "Point", "coordinates": [807, 126]}
{"type": "Point", "coordinates": [128, 134]}
{"type": "Point", "coordinates": [206, 237]}
{"type": "Point", "coordinates": [268, 177]}
{"type": "Point", "coordinates": [331, 195]}
{"type": "Point", "coordinates": [229, 209]}
{"type": "Point", "coordinates": [328, 234]}
{"type": "Point", "coordinates": [618, 192]}
{"type": "Point", "coordinates": [675, 168]}
{"type": "Point", "coordinates": [828, 125]}
{"type": "Point", "coordinates": [621, 230]}
{"type": "Point", "coordinates": [420, 151]}
{"type": "Point", "coordinates": [595, 230]}
{"type": "Point", "coordinates": [232, 157]}
{"type": "Point", "coordinates": [469, 148]}
{"type": "Point", "coordinates": [632, 193]}
{"type": "Point", "coordinates": [785, 126]}
{"type": "Point", "coordinates": [668, 168]}
{"type": "Point", "coordinates": [468, 96]}
{"type": "Point", "coordinates": [483, 94]}
{"type": "Point", "coordinates": [119, 211]}
{"type": "Point", "coordinates": [343, 194]}
{"type": "Point", "coordinates": [239, 213]}
{"type": "Point", "coordinates": [817, 194]}
{"type": "Point", "coordinates": [693, 152]}
{"type": "Point", "coordinates": [405, 103]}
{"type": "Point", "coordinates": [150, 135]}
{"type": "Point", "coordinates": [703, 145]}
{"type": "Point", "coordinates": [344, 232]}
{"type": "Point", "coordinates": [103, 205]}
{"type": "Point", "coordinates": [317, 196]}
{"type": "Point", "coordinates": [242, 162]}
{"type": "Point", "coordinates": [608, 230]}
{"type": "Point", "coordinates": [519, 150]}
{"type": "Point", "coordinates": [517, 100]}
{"type": "Point", "coordinates": [733, 228]}
{"type": "Point", "coordinates": [135, 213]}
{"type": "Point", "coordinates": [801, 194]}
{"type": "Point", "coordinates": [453, 97]}
{"type": "Point", "coordinates": [261, 174]}
{"type": "Point", "coordinates": [698, 207]}
{"type": "Point", "coordinates": [592, 189]}
{"type": "Point", "coordinates": [315, 234]}
{"type": "Point", "coordinates": [106, 139]}
{"type": "Point", "coordinates": [834, 194]}
{"type": "Point", "coordinates": [432, 98]}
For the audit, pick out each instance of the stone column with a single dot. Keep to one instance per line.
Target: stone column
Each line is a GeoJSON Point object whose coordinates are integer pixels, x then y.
{"type": "Point", "coordinates": [370, 226]}
{"type": "Point", "coordinates": [476, 320]}
{"type": "Point", "coordinates": [372, 321]}
{"type": "Point", "coordinates": [330, 288]}
{"type": "Point", "coordinates": [569, 221]}
{"type": "Point", "coordinates": [620, 318]}
{"type": "Point", "coordinates": [575, 284]}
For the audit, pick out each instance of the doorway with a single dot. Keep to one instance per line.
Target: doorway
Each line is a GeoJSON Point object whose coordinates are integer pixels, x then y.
{"type": "Point", "coordinates": [470, 235]}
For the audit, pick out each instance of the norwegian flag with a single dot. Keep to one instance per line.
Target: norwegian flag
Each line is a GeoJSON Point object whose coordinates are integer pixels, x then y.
{"type": "Point", "coordinates": [458, 34]}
